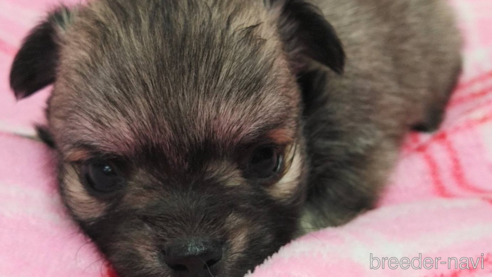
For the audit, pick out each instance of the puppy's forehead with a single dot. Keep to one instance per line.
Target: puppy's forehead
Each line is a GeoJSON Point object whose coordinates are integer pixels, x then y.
{"type": "Point", "coordinates": [172, 75]}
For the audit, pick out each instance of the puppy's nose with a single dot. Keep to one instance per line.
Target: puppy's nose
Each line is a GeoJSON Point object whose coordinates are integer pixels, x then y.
{"type": "Point", "coordinates": [194, 255]}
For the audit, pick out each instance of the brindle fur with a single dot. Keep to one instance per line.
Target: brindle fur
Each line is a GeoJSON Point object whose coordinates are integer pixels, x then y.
{"type": "Point", "coordinates": [177, 90]}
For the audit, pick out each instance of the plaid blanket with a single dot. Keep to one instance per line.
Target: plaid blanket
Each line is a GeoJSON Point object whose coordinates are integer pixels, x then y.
{"type": "Point", "coordinates": [436, 214]}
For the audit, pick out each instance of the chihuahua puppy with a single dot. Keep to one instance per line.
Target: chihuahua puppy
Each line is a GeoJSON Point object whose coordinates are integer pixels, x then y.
{"type": "Point", "coordinates": [196, 137]}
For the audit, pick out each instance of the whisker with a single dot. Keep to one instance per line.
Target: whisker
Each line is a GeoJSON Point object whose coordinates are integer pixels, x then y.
{"type": "Point", "coordinates": [208, 267]}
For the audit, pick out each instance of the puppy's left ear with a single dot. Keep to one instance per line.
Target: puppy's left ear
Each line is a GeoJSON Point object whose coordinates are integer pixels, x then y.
{"type": "Point", "coordinates": [304, 30]}
{"type": "Point", "coordinates": [35, 64]}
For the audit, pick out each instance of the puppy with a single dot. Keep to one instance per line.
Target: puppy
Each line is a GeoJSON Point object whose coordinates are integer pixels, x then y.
{"type": "Point", "coordinates": [197, 137]}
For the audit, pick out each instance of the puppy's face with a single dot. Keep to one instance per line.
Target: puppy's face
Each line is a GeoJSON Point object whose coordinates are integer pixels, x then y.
{"type": "Point", "coordinates": [179, 138]}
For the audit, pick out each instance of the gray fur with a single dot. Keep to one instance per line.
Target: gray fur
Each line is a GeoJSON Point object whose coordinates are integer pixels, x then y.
{"type": "Point", "coordinates": [177, 93]}
{"type": "Point", "coordinates": [403, 61]}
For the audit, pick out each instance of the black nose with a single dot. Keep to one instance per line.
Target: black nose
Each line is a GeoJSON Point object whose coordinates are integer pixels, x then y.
{"type": "Point", "coordinates": [194, 255]}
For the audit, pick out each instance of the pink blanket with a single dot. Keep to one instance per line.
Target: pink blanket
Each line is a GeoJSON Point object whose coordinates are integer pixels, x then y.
{"type": "Point", "coordinates": [435, 219]}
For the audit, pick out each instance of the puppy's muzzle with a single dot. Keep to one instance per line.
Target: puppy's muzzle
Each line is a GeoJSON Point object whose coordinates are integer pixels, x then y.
{"type": "Point", "coordinates": [193, 256]}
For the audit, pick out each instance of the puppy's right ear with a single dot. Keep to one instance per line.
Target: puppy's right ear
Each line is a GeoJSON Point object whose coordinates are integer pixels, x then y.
{"type": "Point", "coordinates": [306, 32]}
{"type": "Point", "coordinates": [35, 64]}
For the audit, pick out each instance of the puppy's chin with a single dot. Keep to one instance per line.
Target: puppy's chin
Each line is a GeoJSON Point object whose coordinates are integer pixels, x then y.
{"type": "Point", "coordinates": [136, 244]}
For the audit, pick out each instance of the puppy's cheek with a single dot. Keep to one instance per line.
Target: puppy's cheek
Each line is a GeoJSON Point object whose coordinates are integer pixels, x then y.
{"type": "Point", "coordinates": [79, 201]}
{"type": "Point", "coordinates": [242, 232]}
{"type": "Point", "coordinates": [288, 186]}
{"type": "Point", "coordinates": [132, 254]}
{"type": "Point", "coordinates": [238, 230]}
{"type": "Point", "coordinates": [145, 258]}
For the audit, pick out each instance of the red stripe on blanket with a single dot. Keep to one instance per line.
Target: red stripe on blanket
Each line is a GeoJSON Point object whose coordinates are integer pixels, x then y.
{"type": "Point", "coordinates": [469, 97]}
{"type": "Point", "coordinates": [456, 167]}
{"type": "Point", "coordinates": [474, 122]}
{"type": "Point", "coordinates": [481, 106]}
{"type": "Point", "coordinates": [474, 80]}
{"type": "Point", "coordinates": [435, 175]}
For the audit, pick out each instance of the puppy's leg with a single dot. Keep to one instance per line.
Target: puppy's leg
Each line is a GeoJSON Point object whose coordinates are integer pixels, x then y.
{"type": "Point", "coordinates": [346, 174]}
{"type": "Point", "coordinates": [435, 110]}
{"type": "Point", "coordinates": [440, 44]}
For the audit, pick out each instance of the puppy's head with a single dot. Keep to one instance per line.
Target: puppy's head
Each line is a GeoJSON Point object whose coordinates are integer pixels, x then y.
{"type": "Point", "coordinates": [178, 126]}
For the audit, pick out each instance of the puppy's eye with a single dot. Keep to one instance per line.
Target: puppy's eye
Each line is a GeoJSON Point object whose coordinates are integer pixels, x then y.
{"type": "Point", "coordinates": [101, 177]}
{"type": "Point", "coordinates": [265, 162]}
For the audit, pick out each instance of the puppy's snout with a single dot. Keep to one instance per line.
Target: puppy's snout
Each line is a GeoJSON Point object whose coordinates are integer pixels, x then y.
{"type": "Point", "coordinates": [194, 257]}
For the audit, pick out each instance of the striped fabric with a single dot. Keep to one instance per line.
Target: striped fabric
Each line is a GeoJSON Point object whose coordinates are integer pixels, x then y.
{"type": "Point", "coordinates": [438, 205]}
